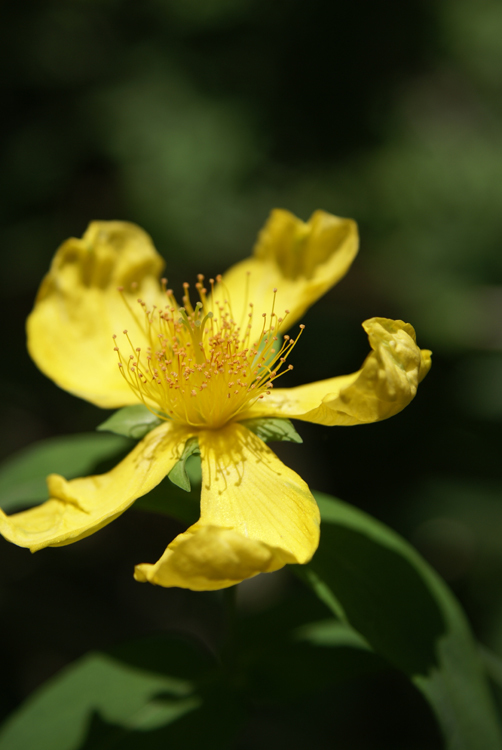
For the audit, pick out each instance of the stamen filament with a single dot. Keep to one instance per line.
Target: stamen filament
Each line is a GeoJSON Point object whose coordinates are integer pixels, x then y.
{"type": "Point", "coordinates": [200, 368]}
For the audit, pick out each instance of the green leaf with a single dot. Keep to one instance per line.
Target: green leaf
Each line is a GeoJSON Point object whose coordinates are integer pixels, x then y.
{"type": "Point", "coordinates": [271, 429]}
{"type": "Point", "coordinates": [22, 476]}
{"type": "Point", "coordinates": [291, 654]}
{"type": "Point", "coordinates": [309, 662]}
{"type": "Point", "coordinates": [375, 582]}
{"type": "Point", "coordinates": [178, 474]}
{"type": "Point", "coordinates": [131, 421]}
{"type": "Point", "coordinates": [147, 695]}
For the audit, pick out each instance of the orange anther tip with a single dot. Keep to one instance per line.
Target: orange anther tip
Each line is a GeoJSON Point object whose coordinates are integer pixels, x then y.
{"type": "Point", "coordinates": [125, 330]}
{"type": "Point", "coordinates": [274, 290]}
{"type": "Point", "coordinates": [120, 289]}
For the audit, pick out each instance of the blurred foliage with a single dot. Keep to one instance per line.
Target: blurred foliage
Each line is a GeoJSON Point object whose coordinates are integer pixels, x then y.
{"type": "Point", "coordinates": [389, 613]}
{"type": "Point", "coordinates": [194, 118]}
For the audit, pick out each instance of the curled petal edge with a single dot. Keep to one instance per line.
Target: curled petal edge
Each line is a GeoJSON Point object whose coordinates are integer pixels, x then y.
{"type": "Point", "coordinates": [293, 264]}
{"type": "Point", "coordinates": [207, 558]}
{"type": "Point", "coordinates": [386, 383]}
{"type": "Point", "coordinates": [80, 507]}
{"type": "Point", "coordinates": [78, 309]}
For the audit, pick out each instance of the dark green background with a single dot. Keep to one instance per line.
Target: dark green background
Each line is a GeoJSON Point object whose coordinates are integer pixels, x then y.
{"type": "Point", "coordinates": [194, 118]}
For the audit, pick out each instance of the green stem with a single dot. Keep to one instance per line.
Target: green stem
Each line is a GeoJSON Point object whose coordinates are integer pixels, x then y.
{"type": "Point", "coordinates": [229, 628]}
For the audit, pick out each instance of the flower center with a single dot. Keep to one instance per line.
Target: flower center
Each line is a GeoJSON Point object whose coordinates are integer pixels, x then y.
{"type": "Point", "coordinates": [199, 366]}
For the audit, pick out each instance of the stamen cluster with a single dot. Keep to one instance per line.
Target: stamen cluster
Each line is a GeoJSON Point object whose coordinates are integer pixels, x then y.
{"type": "Point", "coordinates": [200, 367]}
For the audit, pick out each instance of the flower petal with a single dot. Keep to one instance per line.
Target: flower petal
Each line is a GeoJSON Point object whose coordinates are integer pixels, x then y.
{"type": "Point", "coordinates": [385, 384]}
{"type": "Point", "coordinates": [78, 309]}
{"type": "Point", "coordinates": [206, 558]}
{"type": "Point", "coordinates": [80, 507]}
{"type": "Point", "coordinates": [256, 516]}
{"type": "Point", "coordinates": [301, 260]}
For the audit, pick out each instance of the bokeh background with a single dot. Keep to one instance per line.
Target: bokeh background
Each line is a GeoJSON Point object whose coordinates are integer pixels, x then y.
{"type": "Point", "coordinates": [194, 118]}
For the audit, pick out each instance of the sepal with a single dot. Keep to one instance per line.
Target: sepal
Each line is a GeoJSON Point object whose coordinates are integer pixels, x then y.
{"type": "Point", "coordinates": [273, 429]}
{"type": "Point", "coordinates": [178, 474]}
{"type": "Point", "coordinates": [132, 421]}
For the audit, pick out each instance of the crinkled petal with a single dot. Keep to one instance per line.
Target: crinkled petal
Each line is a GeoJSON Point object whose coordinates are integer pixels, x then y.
{"type": "Point", "coordinates": [79, 308]}
{"type": "Point", "coordinates": [302, 260]}
{"type": "Point", "coordinates": [206, 558]}
{"type": "Point", "coordinates": [385, 384]}
{"type": "Point", "coordinates": [79, 507]}
{"type": "Point", "coordinates": [256, 516]}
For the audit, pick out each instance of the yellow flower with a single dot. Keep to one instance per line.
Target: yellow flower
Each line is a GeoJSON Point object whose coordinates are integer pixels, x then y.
{"type": "Point", "coordinates": [204, 369]}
